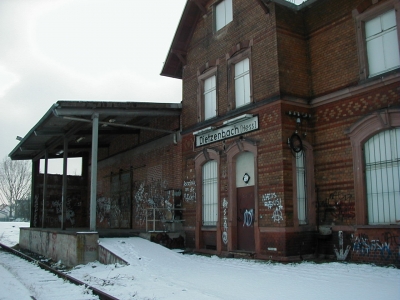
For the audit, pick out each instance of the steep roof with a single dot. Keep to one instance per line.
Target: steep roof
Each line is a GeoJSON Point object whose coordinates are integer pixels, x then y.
{"type": "Point", "coordinates": [176, 57]}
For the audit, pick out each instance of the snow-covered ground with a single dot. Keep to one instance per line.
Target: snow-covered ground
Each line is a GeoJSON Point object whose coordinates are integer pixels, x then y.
{"type": "Point", "coordinates": [155, 272]}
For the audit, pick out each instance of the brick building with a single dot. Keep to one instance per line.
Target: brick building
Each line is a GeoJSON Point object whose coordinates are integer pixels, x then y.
{"type": "Point", "coordinates": [290, 127]}
{"type": "Point", "coordinates": [286, 145]}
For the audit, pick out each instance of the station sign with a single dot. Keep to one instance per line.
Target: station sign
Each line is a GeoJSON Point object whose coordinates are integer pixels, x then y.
{"type": "Point", "coordinates": [231, 128]}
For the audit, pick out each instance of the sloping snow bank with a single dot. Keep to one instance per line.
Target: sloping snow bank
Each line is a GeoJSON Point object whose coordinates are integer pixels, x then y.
{"type": "Point", "coordinates": [158, 273]}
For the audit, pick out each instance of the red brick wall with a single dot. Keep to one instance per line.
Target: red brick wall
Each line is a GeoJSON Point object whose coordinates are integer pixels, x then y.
{"type": "Point", "coordinates": [206, 46]}
{"type": "Point", "coordinates": [333, 153]}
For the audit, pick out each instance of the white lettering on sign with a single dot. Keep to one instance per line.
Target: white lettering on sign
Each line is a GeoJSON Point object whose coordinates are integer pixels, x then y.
{"type": "Point", "coordinates": [227, 132]}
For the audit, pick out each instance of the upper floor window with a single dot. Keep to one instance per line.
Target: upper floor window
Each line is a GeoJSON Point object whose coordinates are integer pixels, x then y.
{"type": "Point", "coordinates": [382, 177]}
{"type": "Point", "coordinates": [378, 38]}
{"type": "Point", "coordinates": [239, 75]}
{"type": "Point", "coordinates": [382, 43]}
{"type": "Point", "coordinates": [223, 14]}
{"type": "Point", "coordinates": [207, 101]}
{"type": "Point", "coordinates": [210, 97]}
{"type": "Point", "coordinates": [242, 82]}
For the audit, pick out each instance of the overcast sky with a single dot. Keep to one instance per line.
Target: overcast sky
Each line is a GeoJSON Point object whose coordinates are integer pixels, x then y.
{"type": "Point", "coordinates": [54, 50]}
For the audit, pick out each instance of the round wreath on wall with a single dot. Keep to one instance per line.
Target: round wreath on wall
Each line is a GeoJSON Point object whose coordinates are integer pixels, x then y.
{"type": "Point", "coordinates": [295, 143]}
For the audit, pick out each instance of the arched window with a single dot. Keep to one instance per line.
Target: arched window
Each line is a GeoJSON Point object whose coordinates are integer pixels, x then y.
{"type": "Point", "coordinates": [210, 193]}
{"type": "Point", "coordinates": [382, 177]}
{"type": "Point", "coordinates": [375, 146]}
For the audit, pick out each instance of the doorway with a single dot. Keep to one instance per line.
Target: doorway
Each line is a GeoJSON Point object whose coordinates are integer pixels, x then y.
{"type": "Point", "coordinates": [245, 218]}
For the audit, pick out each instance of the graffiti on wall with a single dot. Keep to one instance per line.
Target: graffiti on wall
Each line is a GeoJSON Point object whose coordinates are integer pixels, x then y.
{"type": "Point", "coordinates": [272, 201]}
{"type": "Point", "coordinates": [386, 246]}
{"type": "Point", "coordinates": [103, 207]}
{"type": "Point", "coordinates": [338, 206]}
{"type": "Point", "coordinates": [189, 194]}
{"type": "Point", "coordinates": [341, 254]}
{"type": "Point", "coordinates": [72, 203]}
{"type": "Point", "coordinates": [151, 195]}
{"type": "Point", "coordinates": [225, 222]}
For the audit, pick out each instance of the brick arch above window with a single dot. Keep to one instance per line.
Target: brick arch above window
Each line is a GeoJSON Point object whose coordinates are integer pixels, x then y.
{"type": "Point", "coordinates": [359, 133]}
{"type": "Point", "coordinates": [208, 65]}
{"type": "Point", "coordinates": [238, 48]}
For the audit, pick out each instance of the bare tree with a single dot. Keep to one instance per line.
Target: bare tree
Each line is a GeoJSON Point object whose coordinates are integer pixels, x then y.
{"type": "Point", "coordinates": [15, 182]}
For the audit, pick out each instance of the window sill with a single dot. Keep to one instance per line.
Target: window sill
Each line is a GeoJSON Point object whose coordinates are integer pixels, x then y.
{"type": "Point", "coordinates": [208, 228]}
{"type": "Point", "coordinates": [391, 226]}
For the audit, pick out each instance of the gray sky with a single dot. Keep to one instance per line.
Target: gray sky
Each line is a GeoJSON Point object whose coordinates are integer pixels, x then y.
{"type": "Point", "coordinates": [54, 50]}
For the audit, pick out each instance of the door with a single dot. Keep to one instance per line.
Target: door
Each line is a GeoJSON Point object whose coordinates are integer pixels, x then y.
{"type": "Point", "coordinates": [245, 217]}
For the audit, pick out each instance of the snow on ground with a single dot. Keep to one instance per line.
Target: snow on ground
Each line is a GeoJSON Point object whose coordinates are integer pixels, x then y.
{"type": "Point", "coordinates": [155, 272]}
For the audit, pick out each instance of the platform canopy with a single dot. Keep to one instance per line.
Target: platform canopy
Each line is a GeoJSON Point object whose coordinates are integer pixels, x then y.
{"type": "Point", "coordinates": [73, 120]}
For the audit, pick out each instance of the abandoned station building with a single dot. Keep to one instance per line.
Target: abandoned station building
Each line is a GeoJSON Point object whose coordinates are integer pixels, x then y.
{"type": "Point", "coordinates": [286, 144]}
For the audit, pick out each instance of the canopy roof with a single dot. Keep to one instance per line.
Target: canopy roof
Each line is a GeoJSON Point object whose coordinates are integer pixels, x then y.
{"type": "Point", "coordinates": [73, 120]}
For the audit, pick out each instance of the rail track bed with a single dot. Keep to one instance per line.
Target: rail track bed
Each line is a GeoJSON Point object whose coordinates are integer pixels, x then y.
{"type": "Point", "coordinates": [67, 286]}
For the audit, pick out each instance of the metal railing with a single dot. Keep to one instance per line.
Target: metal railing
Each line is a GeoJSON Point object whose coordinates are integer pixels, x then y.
{"type": "Point", "coordinates": [162, 216]}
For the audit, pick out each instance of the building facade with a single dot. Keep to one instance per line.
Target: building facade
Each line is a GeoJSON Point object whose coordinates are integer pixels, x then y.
{"type": "Point", "coordinates": [290, 128]}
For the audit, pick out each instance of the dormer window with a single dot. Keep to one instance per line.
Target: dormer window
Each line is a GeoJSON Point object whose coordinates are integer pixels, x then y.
{"type": "Point", "coordinates": [223, 14]}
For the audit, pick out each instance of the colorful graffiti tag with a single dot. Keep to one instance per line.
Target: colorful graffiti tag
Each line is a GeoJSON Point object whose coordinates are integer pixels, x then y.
{"type": "Point", "coordinates": [387, 246]}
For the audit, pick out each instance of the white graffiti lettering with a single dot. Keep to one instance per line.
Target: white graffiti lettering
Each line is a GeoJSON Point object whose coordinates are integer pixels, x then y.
{"type": "Point", "coordinates": [189, 194]}
{"type": "Point", "coordinates": [225, 223]}
{"type": "Point", "coordinates": [271, 201]}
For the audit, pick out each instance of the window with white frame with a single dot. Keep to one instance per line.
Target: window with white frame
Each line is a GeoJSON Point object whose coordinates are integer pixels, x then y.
{"type": "Point", "coordinates": [242, 82]}
{"type": "Point", "coordinates": [210, 97]}
{"type": "Point", "coordinates": [210, 193]}
{"type": "Point", "coordinates": [301, 188]}
{"type": "Point", "coordinates": [382, 44]}
{"type": "Point", "coordinates": [223, 14]}
{"type": "Point", "coordinates": [382, 176]}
